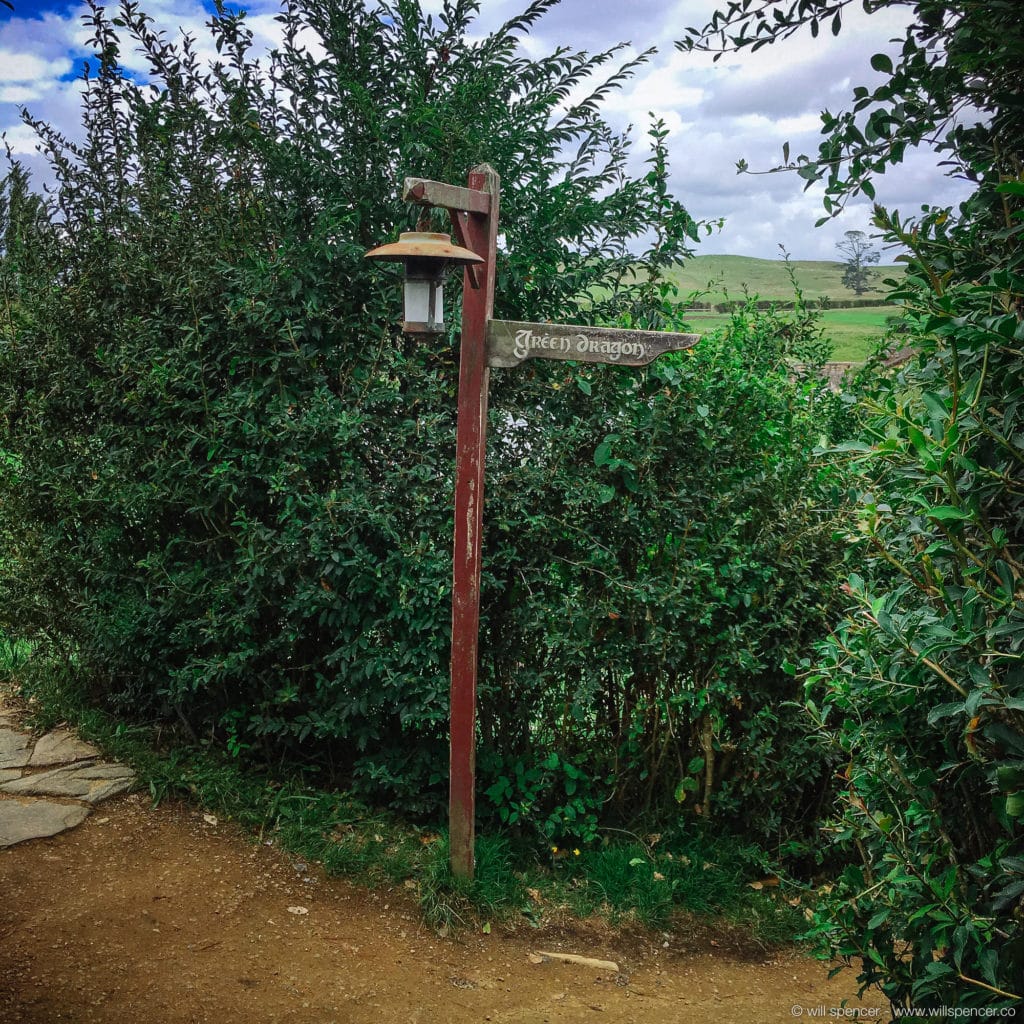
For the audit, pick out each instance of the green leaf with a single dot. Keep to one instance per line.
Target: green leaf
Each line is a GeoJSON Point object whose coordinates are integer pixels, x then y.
{"type": "Point", "coordinates": [941, 711]}
{"type": "Point", "coordinates": [1010, 777]}
{"type": "Point", "coordinates": [989, 960]}
{"type": "Point", "coordinates": [918, 440]}
{"type": "Point", "coordinates": [878, 919]}
{"type": "Point", "coordinates": [947, 513]}
{"type": "Point", "coordinates": [1015, 805]}
{"type": "Point", "coordinates": [937, 407]}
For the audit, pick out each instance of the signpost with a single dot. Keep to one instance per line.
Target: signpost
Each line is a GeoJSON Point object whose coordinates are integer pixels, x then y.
{"type": "Point", "coordinates": [485, 343]}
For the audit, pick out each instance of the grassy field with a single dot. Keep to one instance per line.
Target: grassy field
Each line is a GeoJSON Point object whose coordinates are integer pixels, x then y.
{"type": "Point", "coordinates": [731, 277]}
{"type": "Point", "coordinates": [853, 332]}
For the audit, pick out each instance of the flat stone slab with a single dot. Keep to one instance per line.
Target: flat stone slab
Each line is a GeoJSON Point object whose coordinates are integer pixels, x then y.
{"type": "Point", "coordinates": [15, 748]}
{"type": "Point", "coordinates": [7, 774]}
{"type": "Point", "coordinates": [61, 747]}
{"type": "Point", "coordinates": [37, 819]}
{"type": "Point", "coordinates": [89, 782]}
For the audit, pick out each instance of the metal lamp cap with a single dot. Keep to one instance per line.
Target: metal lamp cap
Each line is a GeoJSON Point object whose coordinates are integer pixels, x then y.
{"type": "Point", "coordinates": [424, 245]}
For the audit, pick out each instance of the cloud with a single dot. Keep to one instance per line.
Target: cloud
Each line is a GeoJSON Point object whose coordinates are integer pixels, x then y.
{"type": "Point", "coordinates": [781, 91]}
{"type": "Point", "coordinates": [743, 106]}
{"type": "Point", "coordinates": [27, 67]}
{"type": "Point", "coordinates": [18, 93]}
{"type": "Point", "coordinates": [22, 140]}
{"type": "Point", "coordinates": [598, 24]}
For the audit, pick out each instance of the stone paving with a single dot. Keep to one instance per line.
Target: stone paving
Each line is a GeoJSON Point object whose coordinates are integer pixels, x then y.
{"type": "Point", "coordinates": [51, 783]}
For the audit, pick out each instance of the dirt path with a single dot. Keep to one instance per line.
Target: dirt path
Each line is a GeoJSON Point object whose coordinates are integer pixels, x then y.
{"type": "Point", "coordinates": [157, 916]}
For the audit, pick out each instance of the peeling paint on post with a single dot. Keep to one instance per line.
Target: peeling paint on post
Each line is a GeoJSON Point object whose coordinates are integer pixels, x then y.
{"type": "Point", "coordinates": [477, 231]}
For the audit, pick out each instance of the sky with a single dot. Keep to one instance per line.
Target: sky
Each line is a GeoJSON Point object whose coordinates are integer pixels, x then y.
{"type": "Point", "coordinates": [744, 107]}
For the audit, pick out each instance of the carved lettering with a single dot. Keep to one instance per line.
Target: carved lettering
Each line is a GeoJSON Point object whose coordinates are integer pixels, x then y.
{"type": "Point", "coordinates": [509, 343]}
{"type": "Point", "coordinates": [527, 343]}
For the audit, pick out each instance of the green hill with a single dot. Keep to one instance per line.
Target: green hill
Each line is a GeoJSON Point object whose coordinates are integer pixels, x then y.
{"type": "Point", "coordinates": [731, 276]}
{"type": "Point", "coordinates": [854, 333]}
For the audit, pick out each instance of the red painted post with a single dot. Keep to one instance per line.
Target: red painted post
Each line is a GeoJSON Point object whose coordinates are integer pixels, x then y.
{"type": "Point", "coordinates": [481, 235]}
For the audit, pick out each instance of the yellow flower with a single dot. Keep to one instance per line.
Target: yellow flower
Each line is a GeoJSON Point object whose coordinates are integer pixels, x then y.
{"type": "Point", "coordinates": [575, 853]}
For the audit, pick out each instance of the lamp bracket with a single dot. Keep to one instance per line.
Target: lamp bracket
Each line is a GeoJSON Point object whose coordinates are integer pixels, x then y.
{"type": "Point", "coordinates": [448, 197]}
{"type": "Point", "coordinates": [459, 218]}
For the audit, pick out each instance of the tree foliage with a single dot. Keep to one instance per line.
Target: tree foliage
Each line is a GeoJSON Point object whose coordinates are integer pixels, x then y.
{"type": "Point", "coordinates": [920, 686]}
{"type": "Point", "coordinates": [669, 573]}
{"type": "Point", "coordinates": [226, 494]}
{"type": "Point", "coordinates": [858, 254]}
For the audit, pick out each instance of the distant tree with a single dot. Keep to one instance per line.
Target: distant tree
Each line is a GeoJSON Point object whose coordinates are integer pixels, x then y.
{"type": "Point", "coordinates": [857, 253]}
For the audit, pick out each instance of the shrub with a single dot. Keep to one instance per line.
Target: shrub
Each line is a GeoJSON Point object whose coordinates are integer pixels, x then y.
{"type": "Point", "coordinates": [921, 687]}
{"type": "Point", "coordinates": [227, 478]}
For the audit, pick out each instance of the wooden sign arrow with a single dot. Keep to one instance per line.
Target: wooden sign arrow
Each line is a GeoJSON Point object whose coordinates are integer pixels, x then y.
{"type": "Point", "coordinates": [509, 343]}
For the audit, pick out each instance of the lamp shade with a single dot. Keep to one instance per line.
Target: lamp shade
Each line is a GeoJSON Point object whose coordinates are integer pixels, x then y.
{"type": "Point", "coordinates": [425, 245]}
{"type": "Point", "coordinates": [427, 256]}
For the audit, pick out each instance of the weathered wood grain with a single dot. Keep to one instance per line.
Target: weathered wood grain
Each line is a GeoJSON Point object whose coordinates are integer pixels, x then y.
{"type": "Point", "coordinates": [448, 197]}
{"type": "Point", "coordinates": [510, 342]}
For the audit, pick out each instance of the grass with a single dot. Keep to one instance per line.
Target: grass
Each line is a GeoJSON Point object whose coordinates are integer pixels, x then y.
{"type": "Point", "coordinates": [650, 884]}
{"type": "Point", "coordinates": [854, 333]}
{"type": "Point", "coordinates": [731, 277]}
{"type": "Point", "coordinates": [13, 655]}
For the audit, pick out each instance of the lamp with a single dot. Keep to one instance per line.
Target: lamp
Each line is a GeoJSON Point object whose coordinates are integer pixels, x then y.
{"type": "Point", "coordinates": [427, 257]}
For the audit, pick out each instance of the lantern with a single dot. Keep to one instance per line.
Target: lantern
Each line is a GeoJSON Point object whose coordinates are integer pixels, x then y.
{"type": "Point", "coordinates": [428, 257]}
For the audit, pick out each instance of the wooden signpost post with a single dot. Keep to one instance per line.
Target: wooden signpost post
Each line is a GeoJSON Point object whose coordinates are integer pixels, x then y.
{"type": "Point", "coordinates": [485, 343]}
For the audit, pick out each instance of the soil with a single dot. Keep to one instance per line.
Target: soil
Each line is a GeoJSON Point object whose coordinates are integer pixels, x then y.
{"type": "Point", "coordinates": [160, 916]}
